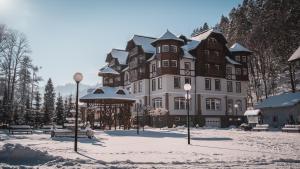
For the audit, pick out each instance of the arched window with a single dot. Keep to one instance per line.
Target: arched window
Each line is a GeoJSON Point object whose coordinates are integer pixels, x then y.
{"type": "Point", "coordinates": [120, 92]}
{"type": "Point", "coordinates": [98, 91]}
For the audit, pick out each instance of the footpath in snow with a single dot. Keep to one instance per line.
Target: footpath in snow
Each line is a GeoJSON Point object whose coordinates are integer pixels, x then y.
{"type": "Point", "coordinates": [210, 148]}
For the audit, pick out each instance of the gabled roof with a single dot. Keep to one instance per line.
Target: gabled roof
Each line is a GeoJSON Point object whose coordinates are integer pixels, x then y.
{"type": "Point", "coordinates": [110, 93]}
{"type": "Point", "coordinates": [107, 70]}
{"type": "Point", "coordinates": [203, 35]}
{"type": "Point", "coordinates": [119, 54]}
{"type": "Point", "coordinates": [238, 48]}
{"type": "Point", "coordinates": [191, 45]}
{"type": "Point", "coordinates": [282, 100]}
{"type": "Point", "coordinates": [231, 61]}
{"type": "Point", "coordinates": [144, 42]}
{"type": "Point", "coordinates": [168, 36]}
{"type": "Point", "coordinates": [295, 55]}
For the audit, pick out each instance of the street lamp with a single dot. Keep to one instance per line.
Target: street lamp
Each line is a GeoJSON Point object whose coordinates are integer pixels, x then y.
{"type": "Point", "coordinates": [77, 77]}
{"type": "Point", "coordinates": [187, 87]}
{"type": "Point", "coordinates": [236, 108]}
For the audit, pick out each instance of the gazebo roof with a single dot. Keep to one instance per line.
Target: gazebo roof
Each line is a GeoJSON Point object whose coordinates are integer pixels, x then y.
{"type": "Point", "coordinates": [108, 95]}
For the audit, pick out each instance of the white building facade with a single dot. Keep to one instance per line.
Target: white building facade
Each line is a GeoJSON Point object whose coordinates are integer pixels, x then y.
{"type": "Point", "coordinates": [155, 70]}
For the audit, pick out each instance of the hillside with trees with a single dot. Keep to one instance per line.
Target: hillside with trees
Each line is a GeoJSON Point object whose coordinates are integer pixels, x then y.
{"type": "Point", "coordinates": [271, 29]}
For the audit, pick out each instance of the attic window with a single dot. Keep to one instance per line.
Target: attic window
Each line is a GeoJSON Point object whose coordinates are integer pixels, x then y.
{"type": "Point", "coordinates": [120, 92]}
{"type": "Point", "coordinates": [98, 91]}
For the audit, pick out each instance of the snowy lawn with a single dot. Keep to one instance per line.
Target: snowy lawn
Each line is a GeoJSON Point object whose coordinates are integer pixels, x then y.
{"type": "Point", "coordinates": [154, 148]}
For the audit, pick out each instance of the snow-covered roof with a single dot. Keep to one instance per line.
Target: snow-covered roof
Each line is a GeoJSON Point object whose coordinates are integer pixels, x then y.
{"type": "Point", "coordinates": [110, 93]}
{"type": "Point", "coordinates": [191, 45]}
{"type": "Point", "coordinates": [283, 100]}
{"type": "Point", "coordinates": [203, 35]}
{"type": "Point", "coordinates": [187, 55]}
{"type": "Point", "coordinates": [254, 112]}
{"type": "Point", "coordinates": [107, 70]}
{"type": "Point", "coordinates": [168, 36]}
{"type": "Point", "coordinates": [126, 68]}
{"type": "Point", "coordinates": [144, 42]}
{"type": "Point", "coordinates": [295, 55]}
{"type": "Point", "coordinates": [231, 61]}
{"type": "Point", "coordinates": [119, 54]}
{"type": "Point", "coordinates": [236, 47]}
{"type": "Point", "coordinates": [151, 58]}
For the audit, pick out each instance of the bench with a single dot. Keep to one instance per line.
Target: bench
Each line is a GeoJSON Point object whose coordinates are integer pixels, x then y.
{"type": "Point", "coordinates": [20, 129]}
{"type": "Point", "coordinates": [71, 133]}
{"type": "Point", "coordinates": [291, 128]}
{"type": "Point", "coordinates": [261, 127]}
{"type": "Point", "coordinates": [48, 128]}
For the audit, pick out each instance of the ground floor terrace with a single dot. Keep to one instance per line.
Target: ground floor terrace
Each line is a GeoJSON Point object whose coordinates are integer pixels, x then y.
{"type": "Point", "coordinates": [154, 148]}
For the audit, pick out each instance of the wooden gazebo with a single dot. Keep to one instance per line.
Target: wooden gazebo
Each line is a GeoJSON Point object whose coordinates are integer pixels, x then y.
{"type": "Point", "coordinates": [110, 104]}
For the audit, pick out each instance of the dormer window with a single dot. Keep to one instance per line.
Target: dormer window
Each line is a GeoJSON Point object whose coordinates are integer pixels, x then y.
{"type": "Point", "coordinates": [173, 48]}
{"type": "Point", "coordinates": [165, 48]}
{"type": "Point", "coordinates": [98, 91]}
{"type": "Point", "coordinates": [120, 92]}
{"type": "Point", "coordinates": [238, 58]}
{"type": "Point", "coordinates": [158, 49]}
{"type": "Point", "coordinates": [244, 59]}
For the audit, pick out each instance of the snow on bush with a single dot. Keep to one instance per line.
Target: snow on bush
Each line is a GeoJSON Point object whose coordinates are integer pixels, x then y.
{"type": "Point", "coordinates": [16, 154]}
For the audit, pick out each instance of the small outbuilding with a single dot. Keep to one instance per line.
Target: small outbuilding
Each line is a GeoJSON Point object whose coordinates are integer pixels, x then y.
{"type": "Point", "coordinates": [280, 109]}
{"type": "Point", "coordinates": [253, 116]}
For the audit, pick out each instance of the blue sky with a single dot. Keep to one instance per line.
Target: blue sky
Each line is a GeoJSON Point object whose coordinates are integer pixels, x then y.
{"type": "Point", "coordinates": [75, 35]}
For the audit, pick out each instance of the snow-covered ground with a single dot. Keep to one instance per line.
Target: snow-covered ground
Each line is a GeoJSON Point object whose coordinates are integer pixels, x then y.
{"type": "Point", "coordinates": [154, 148]}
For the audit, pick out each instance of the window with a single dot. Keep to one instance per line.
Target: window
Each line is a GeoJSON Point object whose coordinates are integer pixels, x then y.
{"type": "Point", "coordinates": [206, 68]}
{"type": "Point", "coordinates": [187, 65]}
{"type": "Point", "coordinates": [153, 68]}
{"type": "Point", "coordinates": [207, 84]}
{"type": "Point", "coordinates": [173, 48]}
{"type": "Point", "coordinates": [238, 71]}
{"type": "Point", "coordinates": [173, 63]}
{"type": "Point", "coordinates": [229, 70]}
{"type": "Point", "coordinates": [206, 53]}
{"type": "Point", "coordinates": [217, 54]}
{"type": "Point", "coordinates": [176, 82]}
{"type": "Point", "coordinates": [158, 49]}
{"type": "Point", "coordinates": [245, 71]}
{"type": "Point", "coordinates": [239, 103]}
{"type": "Point", "coordinates": [217, 84]}
{"type": "Point", "coordinates": [126, 76]}
{"type": "Point", "coordinates": [121, 92]}
{"type": "Point", "coordinates": [213, 104]}
{"type": "Point", "coordinates": [179, 103]}
{"type": "Point", "coordinates": [134, 87]}
{"type": "Point", "coordinates": [230, 106]}
{"type": "Point", "coordinates": [238, 87]}
{"type": "Point", "coordinates": [217, 68]}
{"type": "Point", "coordinates": [165, 63]}
{"type": "Point", "coordinates": [157, 103]}
{"type": "Point", "coordinates": [229, 86]}
{"type": "Point", "coordinates": [187, 80]}
{"type": "Point", "coordinates": [244, 59]}
{"type": "Point", "coordinates": [165, 48]}
{"type": "Point", "coordinates": [238, 58]}
{"type": "Point", "coordinates": [140, 86]}
{"type": "Point", "coordinates": [158, 64]}
{"type": "Point", "coordinates": [98, 91]}
{"type": "Point", "coordinates": [153, 84]}
{"type": "Point", "coordinates": [159, 83]}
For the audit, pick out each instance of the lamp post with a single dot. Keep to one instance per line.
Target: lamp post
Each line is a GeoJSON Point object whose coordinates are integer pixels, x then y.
{"type": "Point", "coordinates": [187, 87]}
{"type": "Point", "coordinates": [77, 77]}
{"type": "Point", "coordinates": [236, 108]}
{"type": "Point", "coordinates": [137, 119]}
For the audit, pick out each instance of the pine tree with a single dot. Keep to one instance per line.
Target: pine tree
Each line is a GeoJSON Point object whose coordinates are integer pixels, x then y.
{"type": "Point", "coordinates": [49, 100]}
{"type": "Point", "coordinates": [205, 27]}
{"type": "Point", "coordinates": [37, 108]}
{"type": "Point", "coordinates": [60, 117]}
